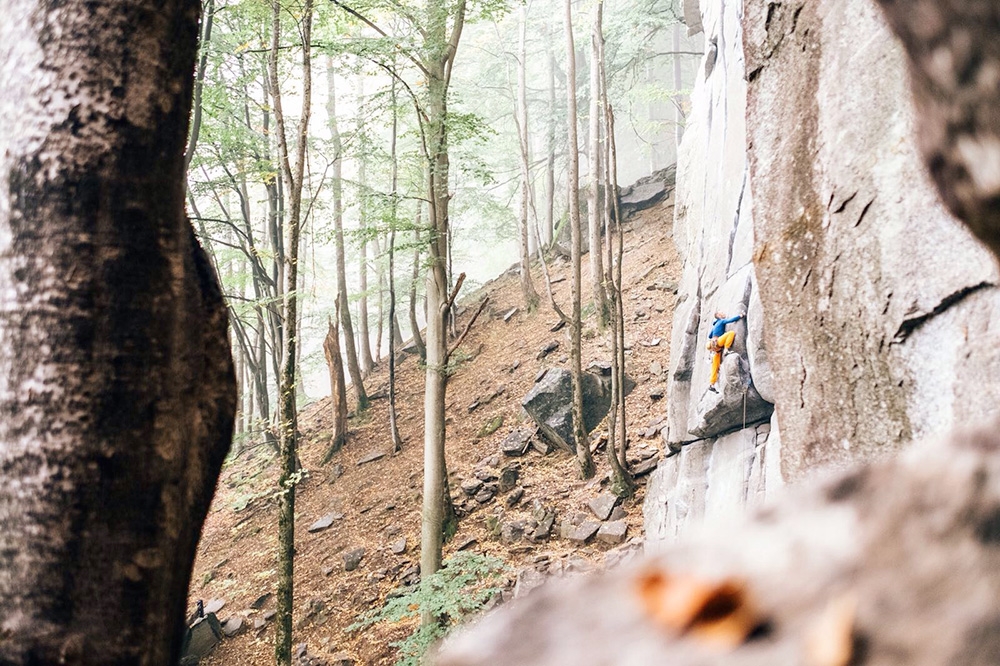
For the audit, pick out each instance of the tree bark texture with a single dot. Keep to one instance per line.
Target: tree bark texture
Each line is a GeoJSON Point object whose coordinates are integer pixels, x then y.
{"type": "Point", "coordinates": [437, 512]}
{"type": "Point", "coordinates": [584, 458]}
{"type": "Point", "coordinates": [117, 391]}
{"type": "Point", "coordinates": [595, 218]}
{"type": "Point", "coordinates": [293, 176]}
{"type": "Point", "coordinates": [418, 341]}
{"type": "Point", "coordinates": [338, 387]}
{"type": "Point", "coordinates": [364, 334]}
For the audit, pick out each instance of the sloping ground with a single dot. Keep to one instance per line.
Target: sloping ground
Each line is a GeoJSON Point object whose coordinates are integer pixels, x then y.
{"type": "Point", "coordinates": [377, 502]}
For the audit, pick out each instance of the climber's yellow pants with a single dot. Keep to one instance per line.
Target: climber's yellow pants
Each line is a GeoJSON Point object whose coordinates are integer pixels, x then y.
{"type": "Point", "coordinates": [719, 345]}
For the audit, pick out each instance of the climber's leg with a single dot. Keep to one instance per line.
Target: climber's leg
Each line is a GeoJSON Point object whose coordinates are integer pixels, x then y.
{"type": "Point", "coordinates": [726, 339]}
{"type": "Point", "coordinates": [716, 362]}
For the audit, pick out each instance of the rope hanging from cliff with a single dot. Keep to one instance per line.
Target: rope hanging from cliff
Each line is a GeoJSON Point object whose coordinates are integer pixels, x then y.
{"type": "Point", "coordinates": [745, 390]}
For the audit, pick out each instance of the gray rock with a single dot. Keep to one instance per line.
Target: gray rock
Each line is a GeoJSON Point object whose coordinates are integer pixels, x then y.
{"type": "Point", "coordinates": [514, 497]}
{"type": "Point", "coordinates": [618, 513]}
{"type": "Point", "coordinates": [325, 522]}
{"type": "Point", "coordinates": [541, 445]}
{"type": "Point", "coordinates": [603, 505]}
{"type": "Point", "coordinates": [214, 605]}
{"type": "Point", "coordinates": [471, 486]}
{"type": "Point", "coordinates": [643, 467]}
{"type": "Point", "coordinates": [612, 532]}
{"type": "Point", "coordinates": [352, 558]}
{"type": "Point", "coordinates": [527, 580]}
{"type": "Point", "coordinates": [583, 533]}
{"type": "Point", "coordinates": [509, 476]}
{"type": "Point", "coordinates": [647, 191]}
{"type": "Point", "coordinates": [734, 403]}
{"type": "Point", "coordinates": [544, 528]}
{"type": "Point", "coordinates": [202, 637]}
{"type": "Point", "coordinates": [398, 547]}
{"type": "Point", "coordinates": [261, 600]}
{"type": "Point", "coordinates": [516, 443]}
{"type": "Point", "coordinates": [371, 457]}
{"type": "Point", "coordinates": [549, 404]}
{"type": "Point", "coordinates": [233, 626]}
{"type": "Point", "coordinates": [485, 475]}
{"type": "Point", "coordinates": [547, 349]}
{"type": "Point", "coordinates": [485, 495]}
{"type": "Point", "coordinates": [512, 532]}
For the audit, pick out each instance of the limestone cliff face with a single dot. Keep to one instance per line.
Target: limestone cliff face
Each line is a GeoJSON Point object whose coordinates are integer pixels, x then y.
{"type": "Point", "coordinates": [872, 315]}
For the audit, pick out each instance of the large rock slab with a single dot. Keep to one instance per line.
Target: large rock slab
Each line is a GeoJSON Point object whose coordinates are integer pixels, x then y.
{"type": "Point", "coordinates": [734, 404]}
{"type": "Point", "coordinates": [647, 191]}
{"type": "Point", "coordinates": [549, 404]}
{"type": "Point", "coordinates": [202, 637]}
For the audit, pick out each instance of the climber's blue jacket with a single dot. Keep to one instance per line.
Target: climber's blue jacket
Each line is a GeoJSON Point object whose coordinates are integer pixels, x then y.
{"type": "Point", "coordinates": [719, 326]}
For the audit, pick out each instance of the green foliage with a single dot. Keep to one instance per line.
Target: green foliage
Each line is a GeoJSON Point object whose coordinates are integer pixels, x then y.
{"type": "Point", "coordinates": [450, 596]}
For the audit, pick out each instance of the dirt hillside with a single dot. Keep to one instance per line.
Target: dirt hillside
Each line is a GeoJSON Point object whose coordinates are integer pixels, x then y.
{"type": "Point", "coordinates": [373, 505]}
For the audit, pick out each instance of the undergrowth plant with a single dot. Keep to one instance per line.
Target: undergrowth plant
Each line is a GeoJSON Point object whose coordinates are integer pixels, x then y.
{"type": "Point", "coordinates": [459, 589]}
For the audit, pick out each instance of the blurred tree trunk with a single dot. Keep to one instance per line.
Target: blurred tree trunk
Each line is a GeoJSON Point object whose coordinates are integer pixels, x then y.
{"type": "Point", "coordinates": [380, 307]}
{"type": "Point", "coordinates": [415, 277]}
{"type": "Point", "coordinates": [337, 187]}
{"type": "Point", "coordinates": [293, 175]}
{"type": "Point", "coordinates": [397, 441]}
{"type": "Point", "coordinates": [338, 385]}
{"type": "Point", "coordinates": [117, 391]}
{"type": "Point", "coordinates": [584, 458]}
{"type": "Point", "coordinates": [594, 208]}
{"type": "Point", "coordinates": [527, 287]}
{"type": "Point", "coordinates": [550, 162]}
{"type": "Point", "coordinates": [364, 335]}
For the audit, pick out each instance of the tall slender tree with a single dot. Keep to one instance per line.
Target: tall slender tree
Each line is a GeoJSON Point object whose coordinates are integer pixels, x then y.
{"type": "Point", "coordinates": [595, 209]}
{"type": "Point", "coordinates": [294, 176]}
{"type": "Point", "coordinates": [337, 187]}
{"type": "Point", "coordinates": [583, 455]}
{"type": "Point", "coordinates": [527, 286]}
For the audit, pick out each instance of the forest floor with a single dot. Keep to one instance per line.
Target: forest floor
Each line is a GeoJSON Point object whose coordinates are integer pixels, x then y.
{"type": "Point", "coordinates": [378, 502]}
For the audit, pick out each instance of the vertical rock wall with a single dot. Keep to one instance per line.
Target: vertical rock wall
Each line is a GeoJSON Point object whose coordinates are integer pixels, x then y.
{"type": "Point", "coordinates": [882, 311]}
{"type": "Point", "coordinates": [726, 447]}
{"type": "Point", "coordinates": [872, 315]}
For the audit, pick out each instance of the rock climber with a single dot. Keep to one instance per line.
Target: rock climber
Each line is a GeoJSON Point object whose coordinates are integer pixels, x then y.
{"type": "Point", "coordinates": [719, 341]}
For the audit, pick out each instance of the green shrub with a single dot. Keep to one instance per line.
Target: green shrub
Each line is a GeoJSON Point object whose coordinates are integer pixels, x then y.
{"type": "Point", "coordinates": [458, 590]}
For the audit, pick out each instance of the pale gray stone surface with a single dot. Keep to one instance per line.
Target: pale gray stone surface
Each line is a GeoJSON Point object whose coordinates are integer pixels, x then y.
{"type": "Point", "coordinates": [879, 305]}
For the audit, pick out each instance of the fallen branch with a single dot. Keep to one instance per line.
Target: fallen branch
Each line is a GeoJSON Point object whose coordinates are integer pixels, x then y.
{"type": "Point", "coordinates": [454, 292]}
{"type": "Point", "coordinates": [468, 327]}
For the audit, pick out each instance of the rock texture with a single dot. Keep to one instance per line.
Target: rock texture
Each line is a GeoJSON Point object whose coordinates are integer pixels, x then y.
{"type": "Point", "coordinates": [872, 314]}
{"type": "Point", "coordinates": [549, 404]}
{"type": "Point", "coordinates": [853, 245]}
{"type": "Point", "coordinates": [913, 545]}
{"type": "Point", "coordinates": [713, 230]}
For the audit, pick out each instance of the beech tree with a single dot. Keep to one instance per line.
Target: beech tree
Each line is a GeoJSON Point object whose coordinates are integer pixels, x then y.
{"type": "Point", "coordinates": [293, 174]}
{"type": "Point", "coordinates": [117, 390]}
{"type": "Point", "coordinates": [521, 118]}
{"type": "Point", "coordinates": [584, 458]}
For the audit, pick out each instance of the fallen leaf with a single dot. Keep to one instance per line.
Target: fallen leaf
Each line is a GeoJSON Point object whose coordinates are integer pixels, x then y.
{"type": "Point", "coordinates": [718, 613]}
{"type": "Point", "coordinates": [830, 639]}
